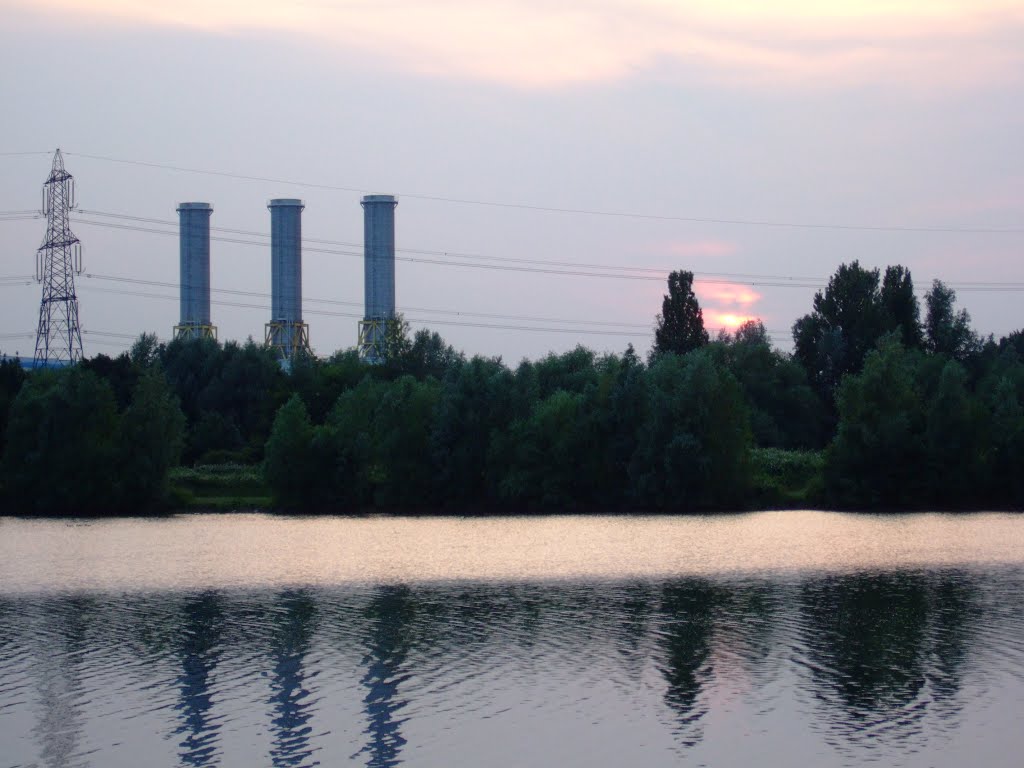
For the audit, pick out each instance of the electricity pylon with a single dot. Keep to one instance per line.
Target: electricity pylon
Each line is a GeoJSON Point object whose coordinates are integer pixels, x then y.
{"type": "Point", "coordinates": [59, 338]}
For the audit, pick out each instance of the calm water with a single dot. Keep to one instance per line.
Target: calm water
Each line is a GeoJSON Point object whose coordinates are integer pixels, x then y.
{"type": "Point", "coordinates": [772, 639]}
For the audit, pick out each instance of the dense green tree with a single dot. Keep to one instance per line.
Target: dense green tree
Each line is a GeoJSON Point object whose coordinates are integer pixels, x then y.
{"type": "Point", "coordinates": [619, 404]}
{"type": "Point", "coordinates": [928, 414]}
{"type": "Point", "coordinates": [955, 440]}
{"type": "Point", "coordinates": [845, 324]}
{"type": "Point", "coordinates": [878, 455]}
{"type": "Point", "coordinates": [376, 444]}
{"type": "Point", "coordinates": [402, 426]}
{"type": "Point", "coordinates": [1013, 340]}
{"type": "Point", "coordinates": [118, 372]}
{"type": "Point", "coordinates": [680, 326]}
{"type": "Point", "coordinates": [347, 443]}
{"type": "Point", "coordinates": [947, 331]}
{"type": "Point", "coordinates": [476, 404]}
{"type": "Point", "coordinates": [571, 371]}
{"type": "Point", "coordinates": [1002, 363]}
{"type": "Point", "coordinates": [12, 377]}
{"type": "Point", "coordinates": [694, 442]}
{"type": "Point", "coordinates": [190, 365]}
{"type": "Point", "coordinates": [151, 440]}
{"type": "Point", "coordinates": [321, 382]}
{"type": "Point", "coordinates": [548, 466]}
{"type": "Point", "coordinates": [145, 351]}
{"type": "Point", "coordinates": [900, 307]}
{"type": "Point", "coordinates": [1006, 437]}
{"type": "Point", "coordinates": [574, 444]}
{"type": "Point", "coordinates": [429, 355]}
{"type": "Point", "coordinates": [396, 345]}
{"type": "Point", "coordinates": [785, 412]}
{"type": "Point", "coordinates": [288, 464]}
{"type": "Point", "coordinates": [249, 388]}
{"type": "Point", "coordinates": [215, 436]}
{"type": "Point", "coordinates": [61, 455]}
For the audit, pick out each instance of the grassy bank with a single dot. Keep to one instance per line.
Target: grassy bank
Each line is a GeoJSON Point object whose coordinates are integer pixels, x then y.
{"type": "Point", "coordinates": [787, 479]}
{"type": "Point", "coordinates": [219, 487]}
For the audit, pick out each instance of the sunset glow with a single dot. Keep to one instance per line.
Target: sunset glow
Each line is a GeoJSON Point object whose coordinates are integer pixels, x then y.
{"type": "Point", "coordinates": [726, 305]}
{"type": "Point", "coordinates": [714, 319]}
{"type": "Point", "coordinates": [728, 293]}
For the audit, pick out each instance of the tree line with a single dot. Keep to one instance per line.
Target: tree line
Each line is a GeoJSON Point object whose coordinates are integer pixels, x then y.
{"type": "Point", "coordinates": [895, 410]}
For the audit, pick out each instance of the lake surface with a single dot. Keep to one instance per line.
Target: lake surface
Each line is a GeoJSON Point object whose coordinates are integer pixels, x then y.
{"type": "Point", "coordinates": [767, 639]}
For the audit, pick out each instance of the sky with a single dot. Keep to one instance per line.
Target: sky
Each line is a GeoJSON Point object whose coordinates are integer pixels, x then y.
{"type": "Point", "coordinates": [552, 160]}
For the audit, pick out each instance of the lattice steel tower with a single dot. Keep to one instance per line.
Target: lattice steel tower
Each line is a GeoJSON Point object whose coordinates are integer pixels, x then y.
{"type": "Point", "coordinates": [58, 339]}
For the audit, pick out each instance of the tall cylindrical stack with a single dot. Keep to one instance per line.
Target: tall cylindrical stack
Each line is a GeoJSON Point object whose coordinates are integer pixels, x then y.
{"type": "Point", "coordinates": [194, 238]}
{"type": "Point", "coordinates": [286, 273]}
{"type": "Point", "coordinates": [378, 272]}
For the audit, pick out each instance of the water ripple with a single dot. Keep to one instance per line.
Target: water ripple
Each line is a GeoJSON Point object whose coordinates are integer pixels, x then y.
{"type": "Point", "coordinates": [892, 667]}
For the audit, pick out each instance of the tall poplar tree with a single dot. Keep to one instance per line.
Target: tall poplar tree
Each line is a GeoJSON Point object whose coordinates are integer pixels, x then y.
{"type": "Point", "coordinates": [680, 326]}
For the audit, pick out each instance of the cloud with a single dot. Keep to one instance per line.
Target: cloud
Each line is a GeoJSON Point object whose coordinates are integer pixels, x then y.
{"type": "Point", "coordinates": [539, 44]}
{"type": "Point", "coordinates": [726, 294]}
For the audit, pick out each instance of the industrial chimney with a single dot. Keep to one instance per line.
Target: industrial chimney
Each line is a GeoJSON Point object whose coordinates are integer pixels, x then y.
{"type": "Point", "coordinates": [378, 274]}
{"type": "Point", "coordinates": [286, 333]}
{"type": "Point", "coordinates": [194, 239]}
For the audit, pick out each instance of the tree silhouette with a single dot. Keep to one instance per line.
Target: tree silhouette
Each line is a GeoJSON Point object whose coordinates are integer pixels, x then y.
{"type": "Point", "coordinates": [947, 331]}
{"type": "Point", "coordinates": [680, 326]}
{"type": "Point", "coordinates": [900, 305]}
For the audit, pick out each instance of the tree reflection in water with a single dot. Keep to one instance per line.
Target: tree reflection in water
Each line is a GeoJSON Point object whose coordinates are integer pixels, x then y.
{"type": "Point", "coordinates": [880, 658]}
{"type": "Point", "coordinates": [688, 612]}
{"type": "Point", "coordinates": [883, 649]}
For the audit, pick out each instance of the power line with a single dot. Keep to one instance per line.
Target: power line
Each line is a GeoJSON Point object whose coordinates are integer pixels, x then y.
{"type": "Point", "coordinates": [349, 243]}
{"type": "Point", "coordinates": [661, 272]}
{"type": "Point", "coordinates": [434, 321]}
{"type": "Point", "coordinates": [572, 269]}
{"type": "Point", "coordinates": [355, 315]}
{"type": "Point", "coordinates": [622, 274]}
{"type": "Point", "coordinates": [795, 280]}
{"type": "Point", "coordinates": [429, 310]}
{"type": "Point", "coordinates": [262, 294]}
{"type": "Point", "coordinates": [712, 278]}
{"type": "Point", "coordinates": [572, 211]}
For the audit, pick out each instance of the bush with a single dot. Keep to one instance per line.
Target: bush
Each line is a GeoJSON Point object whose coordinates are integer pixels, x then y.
{"type": "Point", "coordinates": [788, 479]}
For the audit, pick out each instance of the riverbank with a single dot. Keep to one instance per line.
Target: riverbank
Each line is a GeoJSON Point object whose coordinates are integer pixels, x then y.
{"type": "Point", "coordinates": [781, 480]}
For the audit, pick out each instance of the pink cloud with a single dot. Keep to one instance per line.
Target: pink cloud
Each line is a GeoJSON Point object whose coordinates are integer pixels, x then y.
{"type": "Point", "coordinates": [726, 294]}
{"type": "Point", "coordinates": [537, 44]}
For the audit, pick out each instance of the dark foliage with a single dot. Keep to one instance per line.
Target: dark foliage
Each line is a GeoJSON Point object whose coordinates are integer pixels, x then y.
{"type": "Point", "coordinates": [680, 326]}
{"type": "Point", "coordinates": [911, 415]}
{"type": "Point", "coordinates": [69, 450]}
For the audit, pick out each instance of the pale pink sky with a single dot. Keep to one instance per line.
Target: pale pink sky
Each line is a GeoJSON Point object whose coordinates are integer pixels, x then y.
{"type": "Point", "coordinates": [718, 120]}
